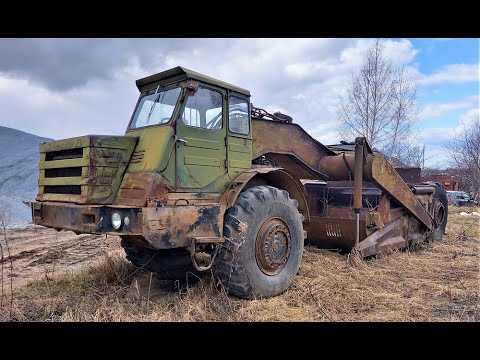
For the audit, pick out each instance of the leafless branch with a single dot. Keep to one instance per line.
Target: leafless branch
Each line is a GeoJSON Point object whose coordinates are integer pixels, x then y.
{"type": "Point", "coordinates": [381, 105]}
{"type": "Point", "coordinates": [464, 151]}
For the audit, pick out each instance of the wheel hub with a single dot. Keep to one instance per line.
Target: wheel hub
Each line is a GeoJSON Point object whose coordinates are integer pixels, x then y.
{"type": "Point", "coordinates": [439, 213]}
{"type": "Point", "coordinates": [272, 246]}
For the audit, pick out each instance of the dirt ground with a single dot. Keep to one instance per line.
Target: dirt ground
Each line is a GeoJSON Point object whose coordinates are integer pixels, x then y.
{"type": "Point", "coordinates": [37, 252]}
{"type": "Point", "coordinates": [65, 277]}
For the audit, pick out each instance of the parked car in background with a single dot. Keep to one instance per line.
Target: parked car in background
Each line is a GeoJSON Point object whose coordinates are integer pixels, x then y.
{"type": "Point", "coordinates": [459, 198]}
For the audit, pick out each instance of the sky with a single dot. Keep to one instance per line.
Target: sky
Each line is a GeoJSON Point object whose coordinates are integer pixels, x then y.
{"type": "Point", "coordinates": [60, 88]}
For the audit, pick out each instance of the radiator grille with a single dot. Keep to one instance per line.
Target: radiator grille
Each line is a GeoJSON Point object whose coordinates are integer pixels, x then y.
{"type": "Point", "coordinates": [64, 154]}
{"type": "Point", "coordinates": [63, 172]}
{"type": "Point", "coordinates": [63, 189]}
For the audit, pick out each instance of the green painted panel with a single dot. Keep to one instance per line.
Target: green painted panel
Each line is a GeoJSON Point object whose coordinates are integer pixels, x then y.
{"type": "Point", "coordinates": [113, 142]}
{"type": "Point", "coordinates": [56, 164]}
{"type": "Point", "coordinates": [154, 150]}
{"type": "Point", "coordinates": [242, 148]}
{"type": "Point", "coordinates": [103, 160]}
{"type": "Point", "coordinates": [240, 164]}
{"type": "Point", "coordinates": [203, 143]}
{"type": "Point", "coordinates": [77, 180]}
{"type": "Point", "coordinates": [201, 158]}
{"type": "Point", "coordinates": [202, 161]}
{"type": "Point", "coordinates": [239, 154]}
{"type": "Point", "coordinates": [65, 144]}
{"type": "Point", "coordinates": [199, 177]}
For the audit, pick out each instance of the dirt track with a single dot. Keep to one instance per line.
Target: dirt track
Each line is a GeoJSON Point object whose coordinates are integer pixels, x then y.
{"type": "Point", "coordinates": [38, 252]}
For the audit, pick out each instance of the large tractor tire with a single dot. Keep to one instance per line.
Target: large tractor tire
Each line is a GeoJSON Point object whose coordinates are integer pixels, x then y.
{"type": "Point", "coordinates": [440, 212]}
{"type": "Point", "coordinates": [173, 264]}
{"type": "Point", "coordinates": [263, 244]}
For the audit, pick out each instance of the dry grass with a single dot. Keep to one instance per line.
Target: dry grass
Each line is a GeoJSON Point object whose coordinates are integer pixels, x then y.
{"type": "Point", "coordinates": [433, 282]}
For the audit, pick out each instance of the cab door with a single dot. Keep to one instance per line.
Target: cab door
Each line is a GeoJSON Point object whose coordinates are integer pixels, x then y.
{"type": "Point", "coordinates": [239, 140]}
{"type": "Point", "coordinates": [200, 140]}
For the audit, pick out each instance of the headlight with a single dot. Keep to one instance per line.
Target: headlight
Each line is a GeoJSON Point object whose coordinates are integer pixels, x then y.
{"type": "Point", "coordinates": [116, 221]}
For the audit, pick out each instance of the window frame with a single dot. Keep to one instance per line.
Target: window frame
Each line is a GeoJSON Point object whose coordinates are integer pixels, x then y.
{"type": "Point", "coordinates": [150, 92]}
{"type": "Point", "coordinates": [247, 100]}
{"type": "Point", "coordinates": [184, 105]}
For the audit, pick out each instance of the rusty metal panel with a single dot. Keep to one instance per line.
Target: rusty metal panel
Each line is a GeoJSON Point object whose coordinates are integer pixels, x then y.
{"type": "Point", "coordinates": [409, 175]}
{"type": "Point", "coordinates": [333, 233]}
{"type": "Point", "coordinates": [137, 187]}
{"type": "Point", "coordinates": [176, 226]}
{"type": "Point", "coordinates": [341, 167]}
{"type": "Point", "coordinates": [277, 177]}
{"type": "Point", "coordinates": [391, 236]}
{"type": "Point", "coordinates": [389, 180]}
{"type": "Point", "coordinates": [235, 187]}
{"type": "Point", "coordinates": [196, 198]}
{"type": "Point", "coordinates": [93, 219]}
{"type": "Point", "coordinates": [106, 141]}
{"type": "Point", "coordinates": [283, 138]}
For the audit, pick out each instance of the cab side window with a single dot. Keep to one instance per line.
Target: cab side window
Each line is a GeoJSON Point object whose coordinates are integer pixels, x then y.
{"type": "Point", "coordinates": [238, 116]}
{"type": "Point", "coordinates": [204, 109]}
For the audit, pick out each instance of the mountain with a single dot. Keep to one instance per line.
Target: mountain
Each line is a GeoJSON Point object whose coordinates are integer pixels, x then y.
{"type": "Point", "coordinates": [19, 158]}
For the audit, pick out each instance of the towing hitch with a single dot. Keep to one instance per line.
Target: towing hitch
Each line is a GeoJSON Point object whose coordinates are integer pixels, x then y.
{"type": "Point", "coordinates": [200, 253]}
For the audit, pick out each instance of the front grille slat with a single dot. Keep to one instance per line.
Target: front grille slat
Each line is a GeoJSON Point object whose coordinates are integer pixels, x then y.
{"type": "Point", "coordinates": [63, 189]}
{"type": "Point", "coordinates": [76, 153]}
{"type": "Point", "coordinates": [63, 172]}
{"type": "Point", "coordinates": [86, 169]}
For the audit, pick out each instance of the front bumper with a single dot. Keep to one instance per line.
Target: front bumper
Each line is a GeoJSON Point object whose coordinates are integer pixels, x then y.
{"type": "Point", "coordinates": [164, 227]}
{"type": "Point", "coordinates": [91, 219]}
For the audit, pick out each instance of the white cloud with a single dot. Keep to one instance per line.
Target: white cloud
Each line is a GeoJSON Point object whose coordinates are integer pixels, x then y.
{"type": "Point", "coordinates": [470, 116]}
{"type": "Point", "coordinates": [433, 110]}
{"type": "Point", "coordinates": [300, 77]}
{"type": "Point", "coordinates": [453, 73]}
{"type": "Point", "coordinates": [435, 136]}
{"type": "Point", "coordinates": [437, 139]}
{"type": "Point", "coordinates": [100, 107]}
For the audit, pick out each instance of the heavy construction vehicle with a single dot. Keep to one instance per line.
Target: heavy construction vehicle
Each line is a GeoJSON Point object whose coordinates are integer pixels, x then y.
{"type": "Point", "coordinates": [203, 180]}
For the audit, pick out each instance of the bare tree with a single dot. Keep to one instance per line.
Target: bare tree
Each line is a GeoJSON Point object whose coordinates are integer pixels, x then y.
{"type": "Point", "coordinates": [381, 104]}
{"type": "Point", "coordinates": [464, 151]}
{"type": "Point", "coordinates": [404, 115]}
{"type": "Point", "coordinates": [408, 155]}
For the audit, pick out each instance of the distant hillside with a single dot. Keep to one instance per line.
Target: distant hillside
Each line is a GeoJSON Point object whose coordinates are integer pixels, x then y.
{"type": "Point", "coordinates": [19, 159]}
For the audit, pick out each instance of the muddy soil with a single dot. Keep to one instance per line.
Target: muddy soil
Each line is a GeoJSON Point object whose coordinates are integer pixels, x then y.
{"type": "Point", "coordinates": [37, 252]}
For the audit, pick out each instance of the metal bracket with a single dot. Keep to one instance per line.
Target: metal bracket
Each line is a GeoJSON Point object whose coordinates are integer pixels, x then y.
{"type": "Point", "coordinates": [216, 242]}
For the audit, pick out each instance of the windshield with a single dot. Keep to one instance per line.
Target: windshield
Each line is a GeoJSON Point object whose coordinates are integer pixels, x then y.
{"type": "Point", "coordinates": [155, 109]}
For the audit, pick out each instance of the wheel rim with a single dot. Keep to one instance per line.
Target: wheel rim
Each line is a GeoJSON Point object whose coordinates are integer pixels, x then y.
{"type": "Point", "coordinates": [272, 246]}
{"type": "Point", "coordinates": [439, 213]}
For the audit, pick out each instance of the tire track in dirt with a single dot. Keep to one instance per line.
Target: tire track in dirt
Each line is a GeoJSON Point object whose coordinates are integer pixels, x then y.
{"type": "Point", "coordinates": [38, 252]}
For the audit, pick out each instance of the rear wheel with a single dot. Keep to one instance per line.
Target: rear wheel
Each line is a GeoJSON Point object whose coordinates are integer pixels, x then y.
{"type": "Point", "coordinates": [263, 243]}
{"type": "Point", "coordinates": [440, 212]}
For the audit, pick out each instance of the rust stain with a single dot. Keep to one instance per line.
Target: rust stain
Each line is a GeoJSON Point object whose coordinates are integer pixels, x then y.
{"type": "Point", "coordinates": [176, 226]}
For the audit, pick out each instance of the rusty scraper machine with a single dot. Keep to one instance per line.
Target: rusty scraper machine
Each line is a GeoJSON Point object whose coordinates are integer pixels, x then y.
{"type": "Point", "coordinates": [203, 181]}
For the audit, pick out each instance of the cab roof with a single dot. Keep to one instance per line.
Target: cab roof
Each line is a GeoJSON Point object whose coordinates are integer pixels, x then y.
{"type": "Point", "coordinates": [180, 73]}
